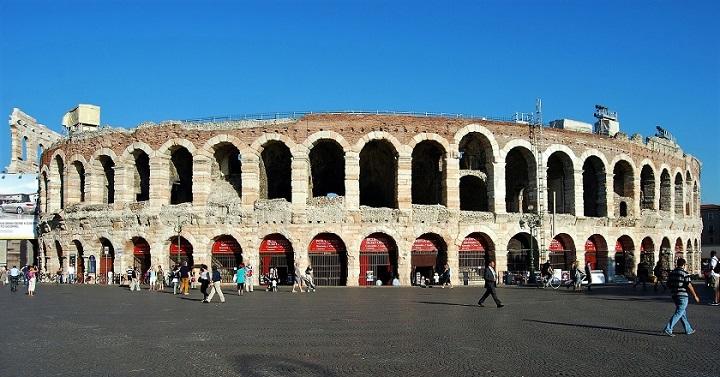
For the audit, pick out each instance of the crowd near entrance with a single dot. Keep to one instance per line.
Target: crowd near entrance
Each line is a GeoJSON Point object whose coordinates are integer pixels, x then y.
{"type": "Point", "coordinates": [276, 253]}
{"type": "Point", "coordinates": [378, 260]}
{"type": "Point", "coordinates": [141, 254]}
{"type": "Point", "coordinates": [328, 257]}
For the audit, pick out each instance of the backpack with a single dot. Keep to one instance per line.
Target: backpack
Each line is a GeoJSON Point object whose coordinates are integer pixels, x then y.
{"type": "Point", "coordinates": [717, 268]}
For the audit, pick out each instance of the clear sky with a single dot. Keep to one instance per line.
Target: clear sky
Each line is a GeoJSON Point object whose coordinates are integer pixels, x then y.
{"type": "Point", "coordinates": [655, 62]}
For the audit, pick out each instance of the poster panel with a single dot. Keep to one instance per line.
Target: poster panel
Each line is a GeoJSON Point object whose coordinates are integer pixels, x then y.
{"type": "Point", "coordinates": [18, 206]}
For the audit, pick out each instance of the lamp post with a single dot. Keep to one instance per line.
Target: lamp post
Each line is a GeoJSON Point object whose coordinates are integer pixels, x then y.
{"type": "Point", "coordinates": [532, 221]}
{"type": "Point", "coordinates": [178, 230]}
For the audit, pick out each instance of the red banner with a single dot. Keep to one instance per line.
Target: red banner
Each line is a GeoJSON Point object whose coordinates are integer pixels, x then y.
{"type": "Point", "coordinates": [275, 244]}
{"type": "Point", "coordinates": [556, 245]}
{"type": "Point", "coordinates": [226, 246]}
{"type": "Point", "coordinates": [376, 244]}
{"type": "Point", "coordinates": [472, 244]}
{"type": "Point", "coordinates": [618, 246]}
{"type": "Point", "coordinates": [326, 245]}
{"type": "Point", "coordinates": [590, 246]}
{"type": "Point", "coordinates": [185, 248]}
{"type": "Point", "coordinates": [141, 248]}
{"type": "Point", "coordinates": [422, 244]}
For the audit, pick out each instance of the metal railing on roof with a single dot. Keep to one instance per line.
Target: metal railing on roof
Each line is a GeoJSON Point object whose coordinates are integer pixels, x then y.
{"type": "Point", "coordinates": [516, 117]}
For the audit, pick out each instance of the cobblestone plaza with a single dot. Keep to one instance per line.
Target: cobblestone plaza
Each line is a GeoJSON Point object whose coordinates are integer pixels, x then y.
{"type": "Point", "coordinates": [107, 331]}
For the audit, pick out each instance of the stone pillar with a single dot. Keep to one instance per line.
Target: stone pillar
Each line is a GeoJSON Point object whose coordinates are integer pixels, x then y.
{"type": "Point", "coordinates": [250, 180]}
{"type": "Point", "coordinates": [124, 190]}
{"type": "Point", "coordinates": [404, 182]}
{"type": "Point", "coordinates": [404, 263]}
{"type": "Point", "coordinates": [636, 196]}
{"type": "Point", "coordinates": [352, 182]}
{"type": "Point", "coordinates": [453, 261]}
{"type": "Point", "coordinates": [452, 182]}
{"type": "Point", "coordinates": [610, 197]}
{"type": "Point", "coordinates": [353, 268]}
{"type": "Point", "coordinates": [578, 193]}
{"type": "Point", "coordinates": [159, 181]}
{"type": "Point", "coordinates": [299, 186]}
{"type": "Point", "coordinates": [497, 200]}
{"type": "Point", "coordinates": [202, 183]}
{"type": "Point", "coordinates": [501, 264]}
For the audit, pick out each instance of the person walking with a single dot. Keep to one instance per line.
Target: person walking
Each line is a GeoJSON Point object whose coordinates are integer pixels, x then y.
{"type": "Point", "coordinates": [547, 272]}
{"type": "Point", "coordinates": [588, 273]}
{"type": "Point", "coordinates": [71, 274]}
{"type": "Point", "coordinates": [249, 277]}
{"type": "Point", "coordinates": [204, 279]}
{"type": "Point", "coordinates": [680, 283]}
{"type": "Point", "coordinates": [14, 278]}
{"type": "Point", "coordinates": [309, 278]}
{"type": "Point", "coordinates": [184, 279]}
{"type": "Point", "coordinates": [577, 276]}
{"type": "Point", "coordinates": [490, 285]}
{"type": "Point", "coordinates": [32, 280]}
{"type": "Point", "coordinates": [216, 285]}
{"type": "Point", "coordinates": [658, 273]}
{"type": "Point", "coordinates": [152, 278]}
{"type": "Point", "coordinates": [446, 276]}
{"type": "Point", "coordinates": [134, 279]}
{"type": "Point", "coordinates": [298, 279]}
{"type": "Point", "coordinates": [176, 279]}
{"type": "Point", "coordinates": [643, 273]}
{"type": "Point", "coordinates": [715, 278]}
{"type": "Point", "coordinates": [240, 279]}
{"type": "Point", "coordinates": [160, 279]}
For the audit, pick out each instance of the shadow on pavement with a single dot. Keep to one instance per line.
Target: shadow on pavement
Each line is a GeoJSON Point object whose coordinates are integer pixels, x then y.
{"type": "Point", "coordinates": [274, 365]}
{"type": "Point", "coordinates": [621, 329]}
{"type": "Point", "coordinates": [445, 303]}
{"type": "Point", "coordinates": [190, 299]}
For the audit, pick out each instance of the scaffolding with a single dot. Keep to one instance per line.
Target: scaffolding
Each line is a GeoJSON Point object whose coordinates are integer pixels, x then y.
{"type": "Point", "coordinates": [538, 145]}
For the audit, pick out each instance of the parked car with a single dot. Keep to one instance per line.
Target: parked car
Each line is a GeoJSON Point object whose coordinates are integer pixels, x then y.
{"type": "Point", "coordinates": [19, 207]}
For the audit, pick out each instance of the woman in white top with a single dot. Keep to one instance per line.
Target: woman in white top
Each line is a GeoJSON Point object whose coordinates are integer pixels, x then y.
{"type": "Point", "coordinates": [153, 278]}
{"type": "Point", "coordinates": [298, 278]}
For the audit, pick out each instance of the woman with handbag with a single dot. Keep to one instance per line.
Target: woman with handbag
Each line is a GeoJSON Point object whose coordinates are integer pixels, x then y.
{"type": "Point", "coordinates": [204, 282]}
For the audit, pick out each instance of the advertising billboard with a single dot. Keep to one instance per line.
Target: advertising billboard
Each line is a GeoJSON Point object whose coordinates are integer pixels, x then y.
{"type": "Point", "coordinates": [18, 206]}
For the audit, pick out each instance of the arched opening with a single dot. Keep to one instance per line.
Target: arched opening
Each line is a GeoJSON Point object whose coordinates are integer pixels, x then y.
{"type": "Point", "coordinates": [181, 176]}
{"type": "Point", "coordinates": [181, 250]}
{"type": "Point", "coordinates": [227, 170]}
{"type": "Point", "coordinates": [428, 255]}
{"type": "Point", "coordinates": [276, 252]}
{"type": "Point", "coordinates": [679, 249]}
{"type": "Point", "coordinates": [40, 150]}
{"type": "Point", "coordinates": [60, 173]}
{"type": "Point", "coordinates": [378, 174]}
{"type": "Point", "coordinates": [594, 190]}
{"type": "Point", "coordinates": [560, 184]}
{"type": "Point", "coordinates": [623, 186]}
{"type": "Point", "coordinates": [107, 182]}
{"type": "Point", "coordinates": [475, 161]}
{"type": "Point", "coordinates": [226, 256]}
{"type": "Point", "coordinates": [141, 255]}
{"type": "Point", "coordinates": [275, 171]}
{"type": "Point", "coordinates": [76, 183]}
{"type": "Point", "coordinates": [107, 261]}
{"type": "Point", "coordinates": [24, 151]}
{"type": "Point", "coordinates": [520, 173]}
{"type": "Point", "coordinates": [623, 209]}
{"type": "Point", "coordinates": [665, 190]}
{"type": "Point", "coordinates": [79, 261]}
{"type": "Point", "coordinates": [647, 188]}
{"type": "Point", "coordinates": [647, 251]}
{"type": "Point", "coordinates": [596, 253]}
{"type": "Point", "coordinates": [45, 193]}
{"type": "Point", "coordinates": [688, 197]}
{"type": "Point", "coordinates": [327, 169]}
{"type": "Point", "coordinates": [429, 169]}
{"type": "Point", "coordinates": [562, 252]}
{"type": "Point", "coordinates": [696, 199]}
{"type": "Point", "coordinates": [679, 195]}
{"type": "Point", "coordinates": [624, 256]}
{"type": "Point", "coordinates": [378, 259]}
{"type": "Point", "coordinates": [473, 194]}
{"type": "Point", "coordinates": [328, 256]}
{"type": "Point", "coordinates": [476, 251]}
{"type": "Point", "coordinates": [141, 176]}
{"type": "Point", "coordinates": [690, 255]}
{"type": "Point", "coordinates": [518, 257]}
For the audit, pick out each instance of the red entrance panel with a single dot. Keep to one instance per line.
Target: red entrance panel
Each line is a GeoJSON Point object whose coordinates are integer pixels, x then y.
{"type": "Point", "coordinates": [226, 246]}
{"type": "Point", "coordinates": [591, 254]}
{"type": "Point", "coordinates": [373, 244]}
{"type": "Point", "coordinates": [273, 245]}
{"type": "Point", "coordinates": [424, 253]}
{"type": "Point", "coordinates": [141, 248]}
{"type": "Point", "coordinates": [323, 245]}
{"type": "Point", "coordinates": [472, 244]}
{"type": "Point", "coordinates": [185, 248]}
{"type": "Point", "coordinates": [556, 246]}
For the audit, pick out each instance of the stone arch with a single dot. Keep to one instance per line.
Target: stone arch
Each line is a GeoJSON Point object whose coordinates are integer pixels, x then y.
{"type": "Point", "coordinates": [310, 141]}
{"type": "Point", "coordinates": [327, 253]}
{"type": "Point", "coordinates": [562, 251]}
{"type": "Point", "coordinates": [519, 250]}
{"type": "Point", "coordinates": [623, 186]}
{"type": "Point", "coordinates": [596, 252]}
{"type": "Point", "coordinates": [275, 169]}
{"type": "Point", "coordinates": [647, 186]}
{"type": "Point", "coordinates": [520, 180]}
{"type": "Point", "coordinates": [225, 166]}
{"type": "Point", "coordinates": [560, 180]}
{"type": "Point", "coordinates": [380, 135]}
{"type": "Point", "coordinates": [429, 173]}
{"type": "Point", "coordinates": [489, 136]}
{"type": "Point", "coordinates": [428, 254]}
{"type": "Point", "coordinates": [58, 188]}
{"type": "Point", "coordinates": [179, 154]}
{"type": "Point", "coordinates": [624, 256]}
{"type": "Point", "coordinates": [594, 186]}
{"type": "Point", "coordinates": [679, 194]}
{"type": "Point", "coordinates": [327, 168]}
{"type": "Point", "coordinates": [477, 170]}
{"type": "Point", "coordinates": [77, 179]}
{"type": "Point", "coordinates": [259, 144]}
{"type": "Point", "coordinates": [209, 147]}
{"type": "Point", "coordinates": [665, 190]}
{"type": "Point", "coordinates": [379, 258]}
{"type": "Point", "coordinates": [169, 146]}
{"type": "Point", "coordinates": [103, 165]}
{"type": "Point", "coordinates": [378, 181]}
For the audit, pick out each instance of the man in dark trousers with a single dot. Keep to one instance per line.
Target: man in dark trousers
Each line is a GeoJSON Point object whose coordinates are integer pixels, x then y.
{"type": "Point", "coordinates": [490, 285]}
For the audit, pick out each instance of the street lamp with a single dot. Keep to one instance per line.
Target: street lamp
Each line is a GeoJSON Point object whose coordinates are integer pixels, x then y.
{"type": "Point", "coordinates": [178, 230]}
{"type": "Point", "coordinates": [532, 221]}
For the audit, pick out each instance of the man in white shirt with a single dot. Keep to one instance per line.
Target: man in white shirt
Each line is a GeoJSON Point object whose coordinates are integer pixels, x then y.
{"type": "Point", "coordinates": [715, 278]}
{"type": "Point", "coordinates": [71, 274]}
{"type": "Point", "coordinates": [14, 277]}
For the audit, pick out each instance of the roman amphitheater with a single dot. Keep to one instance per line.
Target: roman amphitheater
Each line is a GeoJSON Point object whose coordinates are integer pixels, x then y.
{"type": "Point", "coordinates": [364, 197]}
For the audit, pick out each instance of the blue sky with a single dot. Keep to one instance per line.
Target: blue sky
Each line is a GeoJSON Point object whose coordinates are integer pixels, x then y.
{"type": "Point", "coordinates": [655, 62]}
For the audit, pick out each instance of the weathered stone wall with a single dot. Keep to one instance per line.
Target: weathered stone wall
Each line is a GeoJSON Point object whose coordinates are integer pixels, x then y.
{"type": "Point", "coordinates": [216, 210]}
